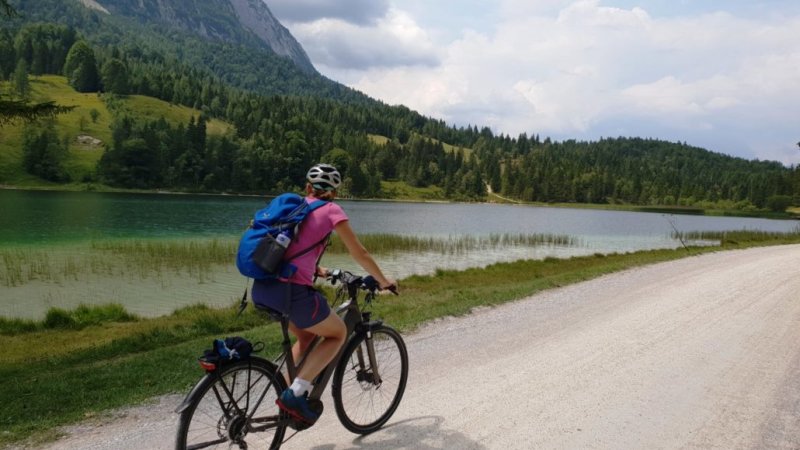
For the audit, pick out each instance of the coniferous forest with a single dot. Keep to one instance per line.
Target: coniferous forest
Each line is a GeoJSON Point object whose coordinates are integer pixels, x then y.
{"type": "Point", "coordinates": [284, 120]}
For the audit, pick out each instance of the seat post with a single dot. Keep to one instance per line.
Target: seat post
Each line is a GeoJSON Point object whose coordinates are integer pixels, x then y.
{"type": "Point", "coordinates": [291, 369]}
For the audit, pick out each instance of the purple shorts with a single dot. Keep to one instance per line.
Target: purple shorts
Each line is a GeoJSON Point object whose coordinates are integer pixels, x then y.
{"type": "Point", "coordinates": [307, 307]}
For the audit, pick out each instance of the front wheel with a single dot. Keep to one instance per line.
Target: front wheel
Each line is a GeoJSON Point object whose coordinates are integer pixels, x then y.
{"type": "Point", "coordinates": [370, 379]}
{"type": "Point", "coordinates": [234, 407]}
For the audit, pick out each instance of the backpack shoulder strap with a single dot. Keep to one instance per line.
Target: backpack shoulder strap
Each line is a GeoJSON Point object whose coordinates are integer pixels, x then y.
{"type": "Point", "coordinates": [302, 210]}
{"type": "Point", "coordinates": [311, 207]}
{"type": "Point", "coordinates": [317, 204]}
{"type": "Point", "coordinates": [308, 249]}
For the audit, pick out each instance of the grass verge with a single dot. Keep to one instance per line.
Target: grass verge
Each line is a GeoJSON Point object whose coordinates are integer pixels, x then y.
{"type": "Point", "coordinates": [61, 375]}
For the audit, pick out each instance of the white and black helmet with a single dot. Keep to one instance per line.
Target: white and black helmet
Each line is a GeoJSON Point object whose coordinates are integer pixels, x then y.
{"type": "Point", "coordinates": [324, 176]}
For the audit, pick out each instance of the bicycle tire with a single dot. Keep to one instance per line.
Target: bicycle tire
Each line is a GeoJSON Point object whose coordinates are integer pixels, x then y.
{"type": "Point", "coordinates": [203, 424]}
{"type": "Point", "coordinates": [362, 405]}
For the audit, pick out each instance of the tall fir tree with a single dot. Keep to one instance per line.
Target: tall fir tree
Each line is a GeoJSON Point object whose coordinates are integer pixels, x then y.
{"type": "Point", "coordinates": [22, 85]}
{"type": "Point", "coordinates": [81, 68]}
{"type": "Point", "coordinates": [114, 75]}
{"type": "Point", "coordinates": [8, 56]}
{"type": "Point", "coordinates": [43, 152]}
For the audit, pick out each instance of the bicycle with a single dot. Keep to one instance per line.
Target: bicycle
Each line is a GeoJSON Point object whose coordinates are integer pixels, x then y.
{"type": "Point", "coordinates": [234, 404]}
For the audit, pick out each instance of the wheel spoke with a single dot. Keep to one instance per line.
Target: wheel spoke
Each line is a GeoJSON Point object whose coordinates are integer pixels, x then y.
{"type": "Point", "coordinates": [226, 408]}
{"type": "Point", "coordinates": [362, 402]}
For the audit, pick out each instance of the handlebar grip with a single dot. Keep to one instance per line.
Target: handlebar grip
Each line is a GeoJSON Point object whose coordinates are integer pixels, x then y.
{"type": "Point", "coordinates": [370, 282]}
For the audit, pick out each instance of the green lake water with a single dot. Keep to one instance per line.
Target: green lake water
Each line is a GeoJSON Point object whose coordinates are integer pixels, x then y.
{"type": "Point", "coordinates": [49, 255]}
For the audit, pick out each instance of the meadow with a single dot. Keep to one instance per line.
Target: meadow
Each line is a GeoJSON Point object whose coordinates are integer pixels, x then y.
{"type": "Point", "coordinates": [91, 117]}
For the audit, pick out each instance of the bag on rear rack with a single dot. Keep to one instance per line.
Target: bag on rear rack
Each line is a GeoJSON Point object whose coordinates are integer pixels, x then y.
{"type": "Point", "coordinates": [222, 351]}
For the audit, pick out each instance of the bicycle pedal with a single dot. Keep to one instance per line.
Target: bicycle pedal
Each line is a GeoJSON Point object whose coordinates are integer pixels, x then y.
{"type": "Point", "coordinates": [300, 424]}
{"type": "Point", "coordinates": [316, 406]}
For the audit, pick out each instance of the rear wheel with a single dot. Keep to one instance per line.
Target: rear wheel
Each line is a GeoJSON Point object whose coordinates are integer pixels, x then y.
{"type": "Point", "coordinates": [370, 379]}
{"type": "Point", "coordinates": [235, 408]}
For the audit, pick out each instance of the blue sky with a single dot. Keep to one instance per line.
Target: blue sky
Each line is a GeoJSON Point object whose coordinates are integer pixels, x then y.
{"type": "Point", "coordinates": [723, 75]}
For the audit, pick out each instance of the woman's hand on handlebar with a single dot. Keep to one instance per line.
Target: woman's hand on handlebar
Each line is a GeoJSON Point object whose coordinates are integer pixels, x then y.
{"type": "Point", "coordinates": [390, 286]}
{"type": "Point", "coordinates": [323, 272]}
{"type": "Point", "coordinates": [368, 282]}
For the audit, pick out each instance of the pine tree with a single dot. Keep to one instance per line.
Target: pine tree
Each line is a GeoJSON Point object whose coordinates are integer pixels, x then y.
{"type": "Point", "coordinates": [6, 9]}
{"type": "Point", "coordinates": [115, 77]}
{"type": "Point", "coordinates": [21, 84]}
{"type": "Point", "coordinates": [43, 153]}
{"type": "Point", "coordinates": [81, 68]}
{"type": "Point", "coordinates": [11, 110]}
{"type": "Point", "coordinates": [8, 56]}
{"type": "Point", "coordinates": [39, 58]}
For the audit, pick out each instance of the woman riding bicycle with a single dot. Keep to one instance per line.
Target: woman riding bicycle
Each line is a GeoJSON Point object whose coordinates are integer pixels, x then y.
{"type": "Point", "coordinates": [309, 313]}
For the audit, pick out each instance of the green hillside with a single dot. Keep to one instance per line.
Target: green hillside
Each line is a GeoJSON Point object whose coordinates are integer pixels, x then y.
{"type": "Point", "coordinates": [152, 109]}
{"type": "Point", "coordinates": [86, 138]}
{"type": "Point", "coordinates": [204, 34]}
{"type": "Point", "coordinates": [283, 120]}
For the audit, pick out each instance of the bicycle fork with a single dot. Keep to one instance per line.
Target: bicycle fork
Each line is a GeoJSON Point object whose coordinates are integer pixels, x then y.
{"type": "Point", "coordinates": [368, 373]}
{"type": "Point", "coordinates": [371, 373]}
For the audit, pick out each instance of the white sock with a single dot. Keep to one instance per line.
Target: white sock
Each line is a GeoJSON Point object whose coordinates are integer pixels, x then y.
{"type": "Point", "coordinates": [300, 386]}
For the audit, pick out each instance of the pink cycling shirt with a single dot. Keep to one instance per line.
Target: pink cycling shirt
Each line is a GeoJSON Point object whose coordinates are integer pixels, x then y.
{"type": "Point", "coordinates": [315, 226]}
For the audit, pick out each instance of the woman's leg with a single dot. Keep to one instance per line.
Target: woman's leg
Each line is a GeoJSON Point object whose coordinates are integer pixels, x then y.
{"type": "Point", "coordinates": [307, 309]}
{"type": "Point", "coordinates": [304, 339]}
{"type": "Point", "coordinates": [333, 330]}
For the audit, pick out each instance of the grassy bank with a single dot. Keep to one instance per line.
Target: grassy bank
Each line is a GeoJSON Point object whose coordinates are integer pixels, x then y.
{"type": "Point", "coordinates": [85, 363]}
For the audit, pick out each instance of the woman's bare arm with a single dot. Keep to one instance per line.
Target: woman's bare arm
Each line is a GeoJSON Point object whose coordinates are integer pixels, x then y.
{"type": "Point", "coordinates": [360, 254]}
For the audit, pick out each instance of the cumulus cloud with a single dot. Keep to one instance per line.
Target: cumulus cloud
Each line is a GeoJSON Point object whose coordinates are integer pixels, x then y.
{"type": "Point", "coordinates": [582, 69]}
{"type": "Point", "coordinates": [361, 12]}
{"type": "Point", "coordinates": [393, 40]}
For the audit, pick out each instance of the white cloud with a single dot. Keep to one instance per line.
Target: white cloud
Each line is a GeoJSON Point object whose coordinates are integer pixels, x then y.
{"type": "Point", "coordinates": [582, 69]}
{"type": "Point", "coordinates": [393, 40]}
{"type": "Point", "coordinates": [353, 11]}
{"type": "Point", "coordinates": [590, 13]}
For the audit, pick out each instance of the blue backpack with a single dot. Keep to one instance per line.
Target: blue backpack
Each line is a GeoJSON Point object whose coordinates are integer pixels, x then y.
{"type": "Point", "coordinates": [267, 237]}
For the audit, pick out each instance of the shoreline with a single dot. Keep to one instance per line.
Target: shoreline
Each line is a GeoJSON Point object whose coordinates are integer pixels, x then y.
{"type": "Point", "coordinates": [791, 214]}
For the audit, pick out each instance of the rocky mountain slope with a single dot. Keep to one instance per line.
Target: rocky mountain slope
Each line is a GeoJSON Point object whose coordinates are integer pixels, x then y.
{"type": "Point", "coordinates": [236, 21]}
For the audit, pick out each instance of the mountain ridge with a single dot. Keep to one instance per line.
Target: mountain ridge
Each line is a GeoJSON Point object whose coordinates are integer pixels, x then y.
{"type": "Point", "coordinates": [264, 24]}
{"type": "Point", "coordinates": [209, 36]}
{"type": "Point", "coordinates": [253, 16]}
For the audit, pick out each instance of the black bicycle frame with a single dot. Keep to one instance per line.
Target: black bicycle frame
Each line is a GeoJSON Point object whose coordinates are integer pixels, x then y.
{"type": "Point", "coordinates": [355, 320]}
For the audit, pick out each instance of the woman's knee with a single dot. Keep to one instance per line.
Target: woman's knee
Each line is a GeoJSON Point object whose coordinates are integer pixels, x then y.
{"type": "Point", "coordinates": [341, 329]}
{"type": "Point", "coordinates": [305, 340]}
{"type": "Point", "coordinates": [332, 327]}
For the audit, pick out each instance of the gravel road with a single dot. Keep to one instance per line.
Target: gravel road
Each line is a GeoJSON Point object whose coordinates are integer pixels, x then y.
{"type": "Point", "coordinates": [703, 352]}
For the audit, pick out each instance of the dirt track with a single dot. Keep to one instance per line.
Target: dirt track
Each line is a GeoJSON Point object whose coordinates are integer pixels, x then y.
{"type": "Point", "coordinates": [702, 352]}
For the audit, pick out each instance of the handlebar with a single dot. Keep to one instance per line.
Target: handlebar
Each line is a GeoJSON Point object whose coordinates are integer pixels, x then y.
{"type": "Point", "coordinates": [368, 283]}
